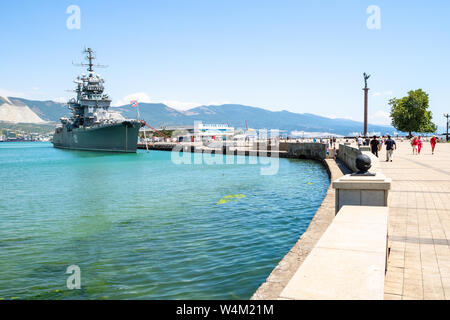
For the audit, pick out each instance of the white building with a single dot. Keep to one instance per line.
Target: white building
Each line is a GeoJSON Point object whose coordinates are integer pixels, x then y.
{"type": "Point", "coordinates": [213, 131]}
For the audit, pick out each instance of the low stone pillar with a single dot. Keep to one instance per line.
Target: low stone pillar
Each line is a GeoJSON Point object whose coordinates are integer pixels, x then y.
{"type": "Point", "coordinates": [364, 148]}
{"type": "Point", "coordinates": [362, 188]}
{"type": "Point", "coordinates": [354, 190]}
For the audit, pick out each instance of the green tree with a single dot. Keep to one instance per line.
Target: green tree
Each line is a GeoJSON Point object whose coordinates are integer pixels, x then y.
{"type": "Point", "coordinates": [410, 113]}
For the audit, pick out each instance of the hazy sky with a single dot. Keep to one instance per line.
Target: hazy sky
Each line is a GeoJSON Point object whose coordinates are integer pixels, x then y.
{"type": "Point", "coordinates": [301, 56]}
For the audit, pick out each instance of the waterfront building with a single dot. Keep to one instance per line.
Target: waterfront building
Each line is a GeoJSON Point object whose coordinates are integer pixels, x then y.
{"type": "Point", "coordinates": [213, 131]}
{"type": "Point", "coordinates": [199, 131]}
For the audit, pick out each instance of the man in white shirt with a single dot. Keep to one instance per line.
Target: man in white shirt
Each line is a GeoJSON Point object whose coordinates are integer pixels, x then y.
{"type": "Point", "coordinates": [360, 141]}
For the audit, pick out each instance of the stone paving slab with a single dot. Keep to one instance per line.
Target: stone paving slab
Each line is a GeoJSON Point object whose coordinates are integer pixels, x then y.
{"type": "Point", "coordinates": [342, 275]}
{"type": "Point", "coordinates": [419, 223]}
{"type": "Point", "coordinates": [349, 260]}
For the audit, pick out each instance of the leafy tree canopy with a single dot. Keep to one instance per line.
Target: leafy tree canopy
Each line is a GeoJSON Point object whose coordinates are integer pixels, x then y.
{"type": "Point", "coordinates": [410, 113]}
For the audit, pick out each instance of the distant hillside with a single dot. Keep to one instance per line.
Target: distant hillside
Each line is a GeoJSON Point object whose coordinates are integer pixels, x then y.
{"type": "Point", "coordinates": [17, 112]}
{"type": "Point", "coordinates": [158, 114]}
{"type": "Point", "coordinates": [235, 115]}
{"type": "Point", "coordinates": [46, 110]}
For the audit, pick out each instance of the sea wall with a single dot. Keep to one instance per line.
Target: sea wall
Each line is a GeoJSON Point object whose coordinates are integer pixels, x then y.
{"type": "Point", "coordinates": [314, 151]}
{"type": "Point", "coordinates": [267, 151]}
{"type": "Point", "coordinates": [317, 151]}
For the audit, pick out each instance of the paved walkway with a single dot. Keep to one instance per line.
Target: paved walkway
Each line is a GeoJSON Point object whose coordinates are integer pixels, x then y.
{"type": "Point", "coordinates": [419, 223]}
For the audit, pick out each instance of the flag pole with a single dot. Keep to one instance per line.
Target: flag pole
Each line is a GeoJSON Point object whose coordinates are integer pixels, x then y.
{"type": "Point", "coordinates": [135, 102]}
{"type": "Point", "coordinates": [139, 118]}
{"type": "Point", "coordinates": [145, 138]}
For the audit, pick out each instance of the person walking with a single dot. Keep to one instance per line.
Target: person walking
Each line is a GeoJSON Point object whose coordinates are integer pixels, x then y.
{"type": "Point", "coordinates": [375, 146]}
{"type": "Point", "coordinates": [419, 144]}
{"type": "Point", "coordinates": [414, 144]}
{"type": "Point", "coordinates": [360, 142]}
{"type": "Point", "coordinates": [390, 147]}
{"type": "Point", "coordinates": [433, 142]}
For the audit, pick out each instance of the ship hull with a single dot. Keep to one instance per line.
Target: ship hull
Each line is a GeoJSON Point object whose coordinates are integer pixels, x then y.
{"type": "Point", "coordinates": [119, 137]}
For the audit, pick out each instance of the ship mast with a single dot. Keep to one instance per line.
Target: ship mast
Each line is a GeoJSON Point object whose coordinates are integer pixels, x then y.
{"type": "Point", "coordinates": [90, 97]}
{"type": "Point", "coordinates": [90, 57]}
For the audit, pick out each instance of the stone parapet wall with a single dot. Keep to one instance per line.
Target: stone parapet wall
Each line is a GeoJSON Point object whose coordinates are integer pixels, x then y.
{"type": "Point", "coordinates": [317, 151]}
{"type": "Point", "coordinates": [347, 154]}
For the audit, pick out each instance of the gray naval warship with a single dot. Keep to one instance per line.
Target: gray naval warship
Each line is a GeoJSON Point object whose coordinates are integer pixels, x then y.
{"type": "Point", "coordinates": [92, 125]}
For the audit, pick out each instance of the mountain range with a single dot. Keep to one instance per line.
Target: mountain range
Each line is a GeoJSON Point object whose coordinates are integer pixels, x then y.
{"type": "Point", "coordinates": [160, 115]}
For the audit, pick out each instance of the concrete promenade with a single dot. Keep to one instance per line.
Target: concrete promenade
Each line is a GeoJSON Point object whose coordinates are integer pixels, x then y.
{"type": "Point", "coordinates": [419, 223]}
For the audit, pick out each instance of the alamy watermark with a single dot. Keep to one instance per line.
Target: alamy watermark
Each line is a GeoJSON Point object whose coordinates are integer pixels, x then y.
{"type": "Point", "coordinates": [73, 22]}
{"type": "Point", "coordinates": [374, 20]}
{"type": "Point", "coordinates": [214, 146]}
{"type": "Point", "coordinates": [74, 280]}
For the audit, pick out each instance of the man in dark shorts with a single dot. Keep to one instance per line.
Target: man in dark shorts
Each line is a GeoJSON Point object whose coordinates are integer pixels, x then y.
{"type": "Point", "coordinates": [390, 147]}
{"type": "Point", "coordinates": [374, 145]}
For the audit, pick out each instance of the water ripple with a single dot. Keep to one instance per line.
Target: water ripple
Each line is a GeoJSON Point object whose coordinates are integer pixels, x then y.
{"type": "Point", "coordinates": [141, 227]}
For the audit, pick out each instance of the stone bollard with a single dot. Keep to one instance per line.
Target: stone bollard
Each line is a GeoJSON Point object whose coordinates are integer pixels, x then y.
{"type": "Point", "coordinates": [362, 188]}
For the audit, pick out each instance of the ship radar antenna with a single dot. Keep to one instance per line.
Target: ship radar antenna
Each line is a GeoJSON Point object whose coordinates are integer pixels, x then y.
{"type": "Point", "coordinates": [90, 56]}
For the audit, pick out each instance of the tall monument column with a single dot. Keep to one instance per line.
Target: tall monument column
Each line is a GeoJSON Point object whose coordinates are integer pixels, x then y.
{"type": "Point", "coordinates": [366, 103]}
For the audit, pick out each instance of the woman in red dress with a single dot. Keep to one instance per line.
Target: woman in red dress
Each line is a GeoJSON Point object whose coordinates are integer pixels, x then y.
{"type": "Point", "coordinates": [414, 144]}
{"type": "Point", "coordinates": [433, 141]}
{"type": "Point", "coordinates": [419, 144]}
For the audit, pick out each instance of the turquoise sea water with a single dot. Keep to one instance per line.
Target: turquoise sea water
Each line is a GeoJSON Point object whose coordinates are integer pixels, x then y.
{"type": "Point", "coordinates": [141, 227]}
